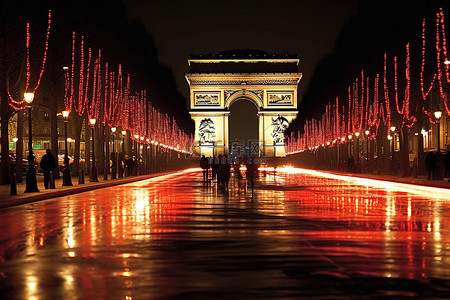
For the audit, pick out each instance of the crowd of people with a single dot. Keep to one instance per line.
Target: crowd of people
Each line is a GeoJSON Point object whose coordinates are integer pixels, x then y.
{"type": "Point", "coordinates": [432, 163]}
{"type": "Point", "coordinates": [221, 167]}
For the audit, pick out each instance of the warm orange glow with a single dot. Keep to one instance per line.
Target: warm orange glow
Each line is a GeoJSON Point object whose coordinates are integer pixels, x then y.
{"type": "Point", "coordinates": [113, 129]}
{"type": "Point", "coordinates": [65, 114]}
{"type": "Point", "coordinates": [28, 97]}
{"type": "Point", "coordinates": [438, 114]}
{"type": "Point", "coordinates": [92, 122]}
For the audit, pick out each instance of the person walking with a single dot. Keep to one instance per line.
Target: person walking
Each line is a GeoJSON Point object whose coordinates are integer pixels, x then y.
{"type": "Point", "coordinates": [48, 164]}
{"type": "Point", "coordinates": [204, 164]}
{"type": "Point", "coordinates": [447, 165]}
{"type": "Point", "coordinates": [430, 163]}
{"type": "Point", "coordinates": [224, 172]}
{"type": "Point", "coordinates": [215, 167]}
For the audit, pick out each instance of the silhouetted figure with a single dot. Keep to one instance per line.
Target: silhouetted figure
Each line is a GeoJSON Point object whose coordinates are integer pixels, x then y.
{"type": "Point", "coordinates": [350, 164]}
{"type": "Point", "coordinates": [215, 167]}
{"type": "Point", "coordinates": [447, 165]}
{"type": "Point", "coordinates": [48, 164]}
{"type": "Point", "coordinates": [204, 164]}
{"type": "Point", "coordinates": [252, 167]}
{"type": "Point", "coordinates": [129, 165]}
{"type": "Point", "coordinates": [224, 172]}
{"type": "Point", "coordinates": [430, 163]}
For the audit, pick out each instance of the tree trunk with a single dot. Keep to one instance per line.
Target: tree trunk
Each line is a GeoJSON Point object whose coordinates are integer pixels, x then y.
{"type": "Point", "coordinates": [5, 175]}
{"type": "Point", "coordinates": [54, 132]}
{"type": "Point", "coordinates": [99, 148]}
{"type": "Point", "coordinates": [78, 125]}
{"type": "Point", "coordinates": [382, 150]}
{"type": "Point", "coordinates": [19, 146]}
{"type": "Point", "coordinates": [404, 152]}
{"type": "Point", "coordinates": [87, 146]}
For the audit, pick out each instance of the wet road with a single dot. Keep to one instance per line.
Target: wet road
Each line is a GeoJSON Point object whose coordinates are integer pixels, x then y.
{"type": "Point", "coordinates": [299, 235]}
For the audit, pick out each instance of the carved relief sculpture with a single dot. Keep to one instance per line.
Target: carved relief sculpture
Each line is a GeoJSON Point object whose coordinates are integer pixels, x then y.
{"type": "Point", "coordinates": [207, 99]}
{"type": "Point", "coordinates": [279, 126]}
{"type": "Point", "coordinates": [206, 131]}
{"type": "Point", "coordinates": [280, 99]}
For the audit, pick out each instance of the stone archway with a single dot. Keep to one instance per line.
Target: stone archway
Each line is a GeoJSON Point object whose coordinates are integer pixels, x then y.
{"type": "Point", "coordinates": [218, 81]}
{"type": "Point", "coordinates": [243, 127]}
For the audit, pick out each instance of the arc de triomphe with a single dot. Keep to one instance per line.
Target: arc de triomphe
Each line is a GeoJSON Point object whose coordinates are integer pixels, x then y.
{"type": "Point", "coordinates": [217, 81]}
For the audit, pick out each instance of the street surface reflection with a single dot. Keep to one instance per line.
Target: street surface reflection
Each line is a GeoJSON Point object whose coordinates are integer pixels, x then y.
{"type": "Point", "coordinates": [175, 236]}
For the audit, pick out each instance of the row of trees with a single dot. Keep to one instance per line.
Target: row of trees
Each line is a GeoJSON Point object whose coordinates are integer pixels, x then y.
{"type": "Point", "coordinates": [376, 105]}
{"type": "Point", "coordinates": [88, 86]}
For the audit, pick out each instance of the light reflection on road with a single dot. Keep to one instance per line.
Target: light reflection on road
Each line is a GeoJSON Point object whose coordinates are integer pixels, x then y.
{"type": "Point", "coordinates": [172, 235]}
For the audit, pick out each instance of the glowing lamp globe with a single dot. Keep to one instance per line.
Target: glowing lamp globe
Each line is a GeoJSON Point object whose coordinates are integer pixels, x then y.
{"type": "Point", "coordinates": [438, 114]}
{"type": "Point", "coordinates": [28, 97]}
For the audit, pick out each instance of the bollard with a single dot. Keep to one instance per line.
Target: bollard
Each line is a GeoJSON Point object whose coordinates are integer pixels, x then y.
{"type": "Point", "coordinates": [13, 190]}
{"type": "Point", "coordinates": [105, 174]}
{"type": "Point", "coordinates": [51, 184]}
{"type": "Point", "coordinates": [81, 176]}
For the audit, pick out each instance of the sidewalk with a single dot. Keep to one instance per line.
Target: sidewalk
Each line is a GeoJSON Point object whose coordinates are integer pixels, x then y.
{"type": "Point", "coordinates": [21, 198]}
{"type": "Point", "coordinates": [420, 180]}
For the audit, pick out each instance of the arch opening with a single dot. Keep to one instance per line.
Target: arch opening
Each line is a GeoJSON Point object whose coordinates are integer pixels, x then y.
{"type": "Point", "coordinates": [243, 127]}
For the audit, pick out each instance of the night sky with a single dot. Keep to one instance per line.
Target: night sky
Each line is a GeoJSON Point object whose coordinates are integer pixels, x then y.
{"type": "Point", "coordinates": [181, 28]}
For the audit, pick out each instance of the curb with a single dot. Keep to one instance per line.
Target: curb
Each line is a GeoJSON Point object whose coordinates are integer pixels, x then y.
{"type": "Point", "coordinates": [75, 190]}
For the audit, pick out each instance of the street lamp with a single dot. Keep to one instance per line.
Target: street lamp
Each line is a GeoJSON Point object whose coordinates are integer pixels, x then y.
{"type": "Point", "coordinates": [367, 132]}
{"type": "Point", "coordinates": [357, 147]}
{"type": "Point", "coordinates": [438, 115]}
{"type": "Point", "coordinates": [113, 169]}
{"type": "Point", "coordinates": [94, 168]}
{"type": "Point", "coordinates": [31, 182]}
{"type": "Point", "coordinates": [136, 154]}
{"type": "Point", "coordinates": [392, 146]}
{"type": "Point", "coordinates": [67, 180]}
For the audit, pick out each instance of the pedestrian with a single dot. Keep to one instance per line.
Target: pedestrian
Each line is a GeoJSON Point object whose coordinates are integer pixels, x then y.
{"type": "Point", "coordinates": [430, 163]}
{"type": "Point", "coordinates": [204, 164]}
{"type": "Point", "coordinates": [130, 165]}
{"type": "Point", "coordinates": [48, 164]}
{"type": "Point", "coordinates": [215, 167]}
{"type": "Point", "coordinates": [447, 164]}
{"type": "Point", "coordinates": [350, 164]}
{"type": "Point", "coordinates": [224, 171]}
{"type": "Point", "coordinates": [252, 167]}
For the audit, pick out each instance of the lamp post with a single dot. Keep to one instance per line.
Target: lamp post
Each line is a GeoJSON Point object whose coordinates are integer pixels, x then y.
{"type": "Point", "coordinates": [357, 147]}
{"type": "Point", "coordinates": [392, 146]}
{"type": "Point", "coordinates": [367, 132]}
{"type": "Point", "coordinates": [349, 145]}
{"type": "Point", "coordinates": [438, 115]}
{"type": "Point", "coordinates": [94, 168]}
{"type": "Point", "coordinates": [136, 154]}
{"type": "Point", "coordinates": [113, 158]}
{"type": "Point", "coordinates": [393, 140]}
{"type": "Point", "coordinates": [31, 182]}
{"type": "Point", "coordinates": [67, 180]}
{"type": "Point", "coordinates": [140, 158]}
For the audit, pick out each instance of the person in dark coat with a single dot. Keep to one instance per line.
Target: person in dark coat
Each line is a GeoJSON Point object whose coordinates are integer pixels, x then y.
{"type": "Point", "coordinates": [204, 164]}
{"type": "Point", "coordinates": [48, 164]}
{"type": "Point", "coordinates": [215, 167]}
{"type": "Point", "coordinates": [224, 172]}
{"type": "Point", "coordinates": [447, 165]}
{"type": "Point", "coordinates": [430, 163]}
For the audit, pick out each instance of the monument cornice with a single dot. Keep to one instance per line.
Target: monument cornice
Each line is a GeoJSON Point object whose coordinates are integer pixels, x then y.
{"type": "Point", "coordinates": [209, 79]}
